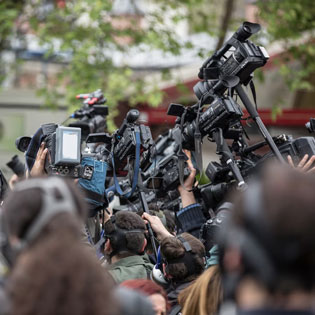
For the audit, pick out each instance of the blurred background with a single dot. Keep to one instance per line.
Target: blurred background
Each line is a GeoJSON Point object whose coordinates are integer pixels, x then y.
{"type": "Point", "coordinates": [145, 54]}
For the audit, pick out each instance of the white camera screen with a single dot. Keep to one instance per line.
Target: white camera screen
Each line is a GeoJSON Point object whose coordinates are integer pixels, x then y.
{"type": "Point", "coordinates": [70, 145]}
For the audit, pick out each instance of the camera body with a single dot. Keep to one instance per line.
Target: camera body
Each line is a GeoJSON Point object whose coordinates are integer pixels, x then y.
{"type": "Point", "coordinates": [92, 115]}
{"type": "Point", "coordinates": [64, 147]}
{"type": "Point", "coordinates": [220, 113]}
{"type": "Point", "coordinates": [125, 140]}
{"type": "Point", "coordinates": [245, 59]}
{"type": "Point", "coordinates": [238, 57]}
{"type": "Point", "coordinates": [296, 148]}
{"type": "Point", "coordinates": [209, 231]}
{"type": "Point", "coordinates": [164, 176]}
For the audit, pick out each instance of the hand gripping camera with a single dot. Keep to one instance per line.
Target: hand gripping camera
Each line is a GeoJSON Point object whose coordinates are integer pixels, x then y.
{"type": "Point", "coordinates": [64, 147]}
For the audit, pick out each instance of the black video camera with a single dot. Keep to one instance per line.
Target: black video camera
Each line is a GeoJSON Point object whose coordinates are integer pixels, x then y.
{"type": "Point", "coordinates": [163, 173]}
{"type": "Point", "coordinates": [221, 113]}
{"type": "Point", "coordinates": [165, 176]}
{"type": "Point", "coordinates": [92, 114]}
{"type": "Point", "coordinates": [125, 141]}
{"type": "Point", "coordinates": [238, 57]}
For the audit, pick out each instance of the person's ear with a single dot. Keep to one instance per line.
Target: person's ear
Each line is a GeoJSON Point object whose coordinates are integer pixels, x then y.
{"type": "Point", "coordinates": [164, 267]}
{"type": "Point", "coordinates": [108, 248]}
{"type": "Point", "coordinates": [166, 275]}
{"type": "Point", "coordinates": [145, 242]}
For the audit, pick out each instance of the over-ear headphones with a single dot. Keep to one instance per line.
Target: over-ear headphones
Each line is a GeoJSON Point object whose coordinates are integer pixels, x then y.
{"type": "Point", "coordinates": [118, 237]}
{"type": "Point", "coordinates": [157, 273]}
{"type": "Point", "coordinates": [51, 204]}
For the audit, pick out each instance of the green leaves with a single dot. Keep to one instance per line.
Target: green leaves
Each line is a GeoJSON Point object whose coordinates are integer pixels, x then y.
{"type": "Point", "coordinates": [293, 23]}
{"type": "Point", "coordinates": [87, 30]}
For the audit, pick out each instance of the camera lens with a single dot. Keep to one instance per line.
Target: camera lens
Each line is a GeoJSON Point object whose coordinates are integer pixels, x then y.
{"type": "Point", "coordinates": [246, 28]}
{"type": "Point", "coordinates": [16, 166]}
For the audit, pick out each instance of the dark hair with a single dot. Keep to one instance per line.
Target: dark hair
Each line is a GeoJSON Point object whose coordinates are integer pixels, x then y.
{"type": "Point", "coordinates": [172, 248]}
{"type": "Point", "coordinates": [286, 210]}
{"type": "Point", "coordinates": [126, 220]}
{"type": "Point", "coordinates": [56, 274]}
{"type": "Point", "coordinates": [147, 287]}
{"type": "Point", "coordinates": [170, 221]}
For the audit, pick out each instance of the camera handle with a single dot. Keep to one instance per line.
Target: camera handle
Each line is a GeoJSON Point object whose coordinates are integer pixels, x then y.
{"type": "Point", "coordinates": [255, 116]}
{"type": "Point", "coordinates": [227, 156]}
{"type": "Point", "coordinates": [146, 209]}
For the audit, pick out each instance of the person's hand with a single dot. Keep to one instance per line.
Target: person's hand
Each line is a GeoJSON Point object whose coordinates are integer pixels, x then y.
{"type": "Point", "coordinates": [189, 181]}
{"type": "Point", "coordinates": [157, 226]}
{"type": "Point", "coordinates": [13, 180]}
{"type": "Point", "coordinates": [304, 165]}
{"type": "Point", "coordinates": [39, 165]}
{"type": "Point", "coordinates": [187, 196]}
{"type": "Point", "coordinates": [107, 214]}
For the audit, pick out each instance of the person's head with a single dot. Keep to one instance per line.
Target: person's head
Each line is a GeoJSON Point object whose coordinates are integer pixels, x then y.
{"type": "Point", "coordinates": [268, 243]}
{"type": "Point", "coordinates": [54, 269]}
{"type": "Point", "coordinates": [203, 296]}
{"type": "Point", "coordinates": [125, 233]}
{"type": "Point", "coordinates": [36, 208]}
{"type": "Point", "coordinates": [184, 257]}
{"type": "Point", "coordinates": [156, 294]}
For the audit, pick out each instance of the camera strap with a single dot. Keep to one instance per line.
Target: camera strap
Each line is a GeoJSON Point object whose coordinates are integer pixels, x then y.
{"type": "Point", "coordinates": [136, 170]}
{"type": "Point", "coordinates": [198, 147]}
{"type": "Point", "coordinates": [182, 158]}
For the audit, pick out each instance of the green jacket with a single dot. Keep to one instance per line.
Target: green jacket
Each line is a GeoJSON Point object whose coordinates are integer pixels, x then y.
{"type": "Point", "coordinates": [132, 267]}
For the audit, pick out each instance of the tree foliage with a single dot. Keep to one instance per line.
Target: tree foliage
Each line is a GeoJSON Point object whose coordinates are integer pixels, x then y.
{"type": "Point", "coordinates": [89, 32]}
{"type": "Point", "coordinates": [292, 23]}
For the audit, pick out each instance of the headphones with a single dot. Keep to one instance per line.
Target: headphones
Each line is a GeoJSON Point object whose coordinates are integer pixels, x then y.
{"type": "Point", "coordinates": [51, 205]}
{"type": "Point", "coordinates": [117, 236]}
{"type": "Point", "coordinates": [157, 274]}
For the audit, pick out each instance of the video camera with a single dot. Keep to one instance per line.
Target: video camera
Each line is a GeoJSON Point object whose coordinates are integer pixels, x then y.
{"type": "Point", "coordinates": [238, 57]}
{"type": "Point", "coordinates": [163, 176]}
{"type": "Point", "coordinates": [222, 113]}
{"type": "Point", "coordinates": [64, 142]}
{"type": "Point", "coordinates": [127, 139]}
{"type": "Point", "coordinates": [92, 114]}
{"type": "Point", "coordinates": [64, 149]}
{"type": "Point", "coordinates": [223, 74]}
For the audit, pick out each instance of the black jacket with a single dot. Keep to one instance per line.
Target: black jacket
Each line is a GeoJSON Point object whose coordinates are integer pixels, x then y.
{"type": "Point", "coordinates": [172, 294]}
